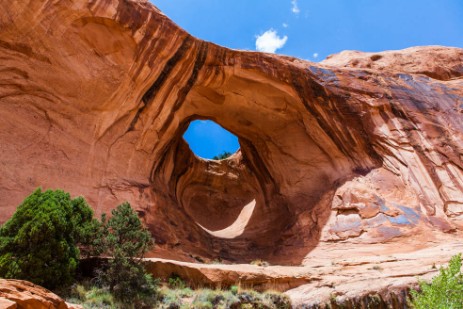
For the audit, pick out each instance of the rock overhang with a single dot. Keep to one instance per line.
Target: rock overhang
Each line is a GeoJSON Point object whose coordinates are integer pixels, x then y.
{"type": "Point", "coordinates": [320, 143]}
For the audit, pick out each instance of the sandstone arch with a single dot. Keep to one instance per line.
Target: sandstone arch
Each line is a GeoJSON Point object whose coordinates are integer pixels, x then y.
{"type": "Point", "coordinates": [359, 148]}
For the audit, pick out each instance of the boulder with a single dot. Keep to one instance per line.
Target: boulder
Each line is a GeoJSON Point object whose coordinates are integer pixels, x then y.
{"type": "Point", "coordinates": [19, 294]}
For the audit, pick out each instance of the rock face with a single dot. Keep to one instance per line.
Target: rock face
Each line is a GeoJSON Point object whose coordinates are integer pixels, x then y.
{"type": "Point", "coordinates": [359, 278]}
{"type": "Point", "coordinates": [358, 149]}
{"type": "Point", "coordinates": [19, 294]}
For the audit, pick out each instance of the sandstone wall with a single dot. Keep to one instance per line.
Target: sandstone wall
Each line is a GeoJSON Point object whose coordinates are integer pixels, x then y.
{"type": "Point", "coordinates": [360, 148]}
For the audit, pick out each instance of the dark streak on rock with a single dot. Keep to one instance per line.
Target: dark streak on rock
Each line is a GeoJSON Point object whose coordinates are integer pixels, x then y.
{"type": "Point", "coordinates": [317, 92]}
{"type": "Point", "coordinates": [397, 111]}
{"type": "Point", "coordinates": [150, 94]}
{"type": "Point", "coordinates": [252, 159]}
{"type": "Point", "coordinates": [24, 49]}
{"type": "Point", "coordinates": [199, 62]}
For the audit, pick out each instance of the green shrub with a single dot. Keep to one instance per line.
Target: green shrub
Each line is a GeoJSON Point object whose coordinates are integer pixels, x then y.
{"type": "Point", "coordinates": [175, 282]}
{"type": "Point", "coordinates": [39, 242]}
{"type": "Point", "coordinates": [126, 241]}
{"type": "Point", "coordinates": [129, 283]}
{"type": "Point", "coordinates": [222, 156]}
{"type": "Point", "coordinates": [90, 296]}
{"type": "Point", "coordinates": [99, 298]}
{"type": "Point", "coordinates": [80, 292]}
{"type": "Point", "coordinates": [245, 299]}
{"type": "Point", "coordinates": [173, 298]}
{"type": "Point", "coordinates": [234, 289]}
{"type": "Point", "coordinates": [445, 291]}
{"type": "Point", "coordinates": [206, 299]}
{"type": "Point", "coordinates": [230, 300]}
{"type": "Point", "coordinates": [276, 300]}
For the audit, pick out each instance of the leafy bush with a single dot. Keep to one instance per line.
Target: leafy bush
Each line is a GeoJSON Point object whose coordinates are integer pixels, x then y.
{"type": "Point", "coordinates": [445, 291]}
{"type": "Point", "coordinates": [126, 241]}
{"type": "Point", "coordinates": [89, 296]}
{"type": "Point", "coordinates": [98, 298]}
{"type": "Point", "coordinates": [39, 242]}
{"type": "Point", "coordinates": [234, 289]}
{"type": "Point", "coordinates": [171, 299]}
{"type": "Point", "coordinates": [175, 282]}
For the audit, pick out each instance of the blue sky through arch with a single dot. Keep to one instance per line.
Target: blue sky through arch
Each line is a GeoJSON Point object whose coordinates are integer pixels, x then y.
{"type": "Point", "coordinates": [208, 139]}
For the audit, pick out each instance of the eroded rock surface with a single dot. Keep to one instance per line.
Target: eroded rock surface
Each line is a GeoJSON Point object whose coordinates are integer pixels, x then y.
{"type": "Point", "coordinates": [359, 149]}
{"type": "Point", "coordinates": [19, 294]}
{"type": "Point", "coordinates": [373, 276]}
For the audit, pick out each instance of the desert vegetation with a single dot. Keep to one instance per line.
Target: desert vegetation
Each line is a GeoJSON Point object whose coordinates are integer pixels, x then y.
{"type": "Point", "coordinates": [445, 291]}
{"type": "Point", "coordinates": [176, 294]}
{"type": "Point", "coordinates": [50, 232]}
{"type": "Point", "coordinates": [40, 241]}
{"type": "Point", "coordinates": [91, 296]}
{"type": "Point", "coordinates": [222, 156]}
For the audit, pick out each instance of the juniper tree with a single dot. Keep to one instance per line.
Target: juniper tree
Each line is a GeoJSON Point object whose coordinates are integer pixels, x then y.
{"type": "Point", "coordinates": [39, 242]}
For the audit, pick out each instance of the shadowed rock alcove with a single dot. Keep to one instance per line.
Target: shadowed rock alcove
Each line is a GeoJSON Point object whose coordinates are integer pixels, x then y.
{"type": "Point", "coordinates": [217, 195]}
{"type": "Point", "coordinates": [271, 198]}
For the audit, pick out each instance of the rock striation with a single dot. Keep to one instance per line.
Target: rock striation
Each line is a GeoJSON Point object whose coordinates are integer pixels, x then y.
{"type": "Point", "coordinates": [19, 294]}
{"type": "Point", "coordinates": [365, 277]}
{"type": "Point", "coordinates": [359, 149]}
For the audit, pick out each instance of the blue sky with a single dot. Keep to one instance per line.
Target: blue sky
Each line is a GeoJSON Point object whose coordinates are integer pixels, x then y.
{"type": "Point", "coordinates": [314, 29]}
{"type": "Point", "coordinates": [207, 139]}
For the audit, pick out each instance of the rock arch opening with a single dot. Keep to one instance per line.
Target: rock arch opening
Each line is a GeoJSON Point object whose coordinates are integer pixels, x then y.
{"type": "Point", "coordinates": [217, 194]}
{"type": "Point", "coordinates": [209, 140]}
{"type": "Point", "coordinates": [270, 199]}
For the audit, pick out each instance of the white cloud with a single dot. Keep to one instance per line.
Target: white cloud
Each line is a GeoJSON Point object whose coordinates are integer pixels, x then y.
{"type": "Point", "coordinates": [285, 25]}
{"type": "Point", "coordinates": [294, 7]}
{"type": "Point", "coordinates": [269, 41]}
{"type": "Point", "coordinates": [315, 55]}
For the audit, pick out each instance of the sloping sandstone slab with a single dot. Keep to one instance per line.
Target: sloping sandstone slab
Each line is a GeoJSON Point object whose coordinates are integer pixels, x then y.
{"type": "Point", "coordinates": [334, 277]}
{"type": "Point", "coordinates": [19, 294]}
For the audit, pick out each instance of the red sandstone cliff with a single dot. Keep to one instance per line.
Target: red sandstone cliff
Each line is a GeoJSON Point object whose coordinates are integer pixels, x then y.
{"type": "Point", "coordinates": [360, 148]}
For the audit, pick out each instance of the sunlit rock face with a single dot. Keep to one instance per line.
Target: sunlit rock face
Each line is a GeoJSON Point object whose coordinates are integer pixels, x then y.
{"type": "Point", "coordinates": [360, 148]}
{"type": "Point", "coordinates": [23, 294]}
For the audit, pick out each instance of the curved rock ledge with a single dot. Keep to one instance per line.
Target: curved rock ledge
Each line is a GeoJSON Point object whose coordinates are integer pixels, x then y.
{"type": "Point", "coordinates": [335, 277]}
{"type": "Point", "coordinates": [359, 149]}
